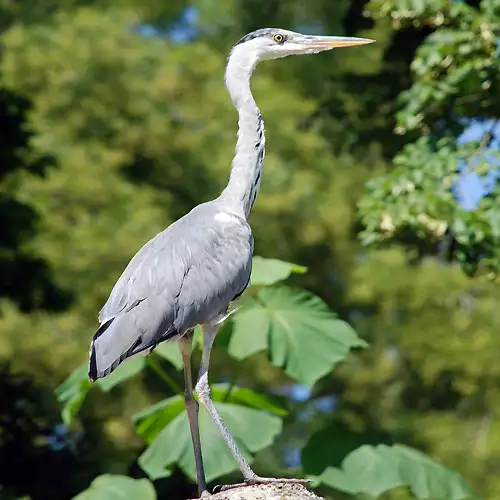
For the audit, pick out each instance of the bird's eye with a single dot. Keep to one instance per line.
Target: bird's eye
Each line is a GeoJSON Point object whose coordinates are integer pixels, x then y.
{"type": "Point", "coordinates": [279, 38]}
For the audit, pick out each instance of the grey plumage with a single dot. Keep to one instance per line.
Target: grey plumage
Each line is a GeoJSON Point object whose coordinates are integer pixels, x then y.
{"type": "Point", "coordinates": [184, 276]}
{"type": "Point", "coordinates": [189, 273]}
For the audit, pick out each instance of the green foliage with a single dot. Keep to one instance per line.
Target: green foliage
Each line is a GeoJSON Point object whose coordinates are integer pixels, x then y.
{"type": "Point", "coordinates": [150, 421]}
{"type": "Point", "coordinates": [171, 353]}
{"type": "Point", "coordinates": [284, 314]}
{"type": "Point", "coordinates": [72, 393]}
{"type": "Point", "coordinates": [415, 203]}
{"type": "Point", "coordinates": [376, 470]}
{"type": "Point", "coordinates": [270, 271]}
{"type": "Point", "coordinates": [122, 373]}
{"type": "Point", "coordinates": [455, 79]}
{"type": "Point", "coordinates": [246, 397]}
{"type": "Point", "coordinates": [113, 487]}
{"type": "Point", "coordinates": [329, 446]}
{"type": "Point", "coordinates": [111, 135]}
{"type": "Point", "coordinates": [302, 334]}
{"type": "Point", "coordinates": [173, 443]}
{"type": "Point", "coordinates": [26, 277]}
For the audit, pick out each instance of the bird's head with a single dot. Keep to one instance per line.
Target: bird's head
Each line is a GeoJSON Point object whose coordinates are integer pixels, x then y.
{"type": "Point", "coordinates": [274, 43]}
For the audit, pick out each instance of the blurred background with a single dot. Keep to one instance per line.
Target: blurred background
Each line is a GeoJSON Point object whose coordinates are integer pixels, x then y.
{"type": "Point", "coordinates": [380, 177]}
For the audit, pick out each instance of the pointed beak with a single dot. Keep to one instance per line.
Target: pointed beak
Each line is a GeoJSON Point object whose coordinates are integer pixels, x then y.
{"type": "Point", "coordinates": [333, 42]}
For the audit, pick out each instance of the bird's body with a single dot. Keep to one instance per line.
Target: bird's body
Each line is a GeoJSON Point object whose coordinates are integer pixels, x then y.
{"type": "Point", "coordinates": [189, 273]}
{"type": "Point", "coordinates": [185, 276]}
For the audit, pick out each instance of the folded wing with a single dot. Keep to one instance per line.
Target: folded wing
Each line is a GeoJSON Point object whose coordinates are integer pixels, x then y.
{"type": "Point", "coordinates": [184, 276]}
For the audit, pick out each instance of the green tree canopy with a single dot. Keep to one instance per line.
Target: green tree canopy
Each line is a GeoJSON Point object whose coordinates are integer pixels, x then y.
{"type": "Point", "coordinates": [117, 123]}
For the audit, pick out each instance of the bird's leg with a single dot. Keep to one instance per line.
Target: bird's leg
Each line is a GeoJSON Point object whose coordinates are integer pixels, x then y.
{"type": "Point", "coordinates": [185, 345]}
{"type": "Point", "coordinates": [203, 391]}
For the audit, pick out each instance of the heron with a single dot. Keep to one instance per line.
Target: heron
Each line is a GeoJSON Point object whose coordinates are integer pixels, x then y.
{"type": "Point", "coordinates": [190, 273]}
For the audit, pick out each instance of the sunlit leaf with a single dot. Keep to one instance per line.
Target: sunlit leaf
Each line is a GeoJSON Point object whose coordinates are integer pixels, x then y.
{"type": "Point", "coordinates": [247, 397]}
{"type": "Point", "coordinates": [301, 333]}
{"type": "Point", "coordinates": [150, 421]}
{"type": "Point", "coordinates": [114, 487]}
{"type": "Point", "coordinates": [375, 470]}
{"type": "Point", "coordinates": [270, 271]}
{"type": "Point", "coordinates": [253, 430]}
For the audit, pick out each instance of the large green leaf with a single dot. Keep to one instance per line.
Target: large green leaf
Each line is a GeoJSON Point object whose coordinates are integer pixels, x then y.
{"type": "Point", "coordinates": [269, 271]}
{"type": "Point", "coordinates": [126, 370]}
{"type": "Point", "coordinates": [114, 487]}
{"type": "Point", "coordinates": [73, 391]}
{"type": "Point", "coordinates": [150, 421]}
{"type": "Point", "coordinates": [374, 470]}
{"type": "Point", "coordinates": [302, 334]}
{"type": "Point", "coordinates": [246, 397]}
{"type": "Point", "coordinates": [252, 429]}
{"type": "Point", "coordinates": [171, 352]}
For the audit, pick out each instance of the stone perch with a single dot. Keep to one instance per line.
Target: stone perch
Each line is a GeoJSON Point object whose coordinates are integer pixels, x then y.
{"type": "Point", "coordinates": [267, 492]}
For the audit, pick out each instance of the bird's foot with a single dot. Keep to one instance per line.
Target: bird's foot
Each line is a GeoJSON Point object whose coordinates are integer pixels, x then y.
{"type": "Point", "coordinates": [261, 480]}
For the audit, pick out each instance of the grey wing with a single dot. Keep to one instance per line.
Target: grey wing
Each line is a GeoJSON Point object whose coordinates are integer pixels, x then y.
{"type": "Point", "coordinates": [142, 274]}
{"type": "Point", "coordinates": [184, 276]}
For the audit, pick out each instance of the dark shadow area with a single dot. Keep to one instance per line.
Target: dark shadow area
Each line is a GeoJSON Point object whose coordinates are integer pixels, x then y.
{"type": "Point", "coordinates": [25, 278]}
{"type": "Point", "coordinates": [35, 455]}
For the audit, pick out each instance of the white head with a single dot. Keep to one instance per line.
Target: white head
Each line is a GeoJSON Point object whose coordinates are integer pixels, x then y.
{"type": "Point", "coordinates": [274, 43]}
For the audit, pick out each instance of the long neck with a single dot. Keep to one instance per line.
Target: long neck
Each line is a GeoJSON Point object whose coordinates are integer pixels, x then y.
{"type": "Point", "coordinates": [244, 181]}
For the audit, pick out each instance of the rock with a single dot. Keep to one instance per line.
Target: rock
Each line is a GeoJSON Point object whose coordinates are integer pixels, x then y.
{"type": "Point", "coordinates": [279, 491]}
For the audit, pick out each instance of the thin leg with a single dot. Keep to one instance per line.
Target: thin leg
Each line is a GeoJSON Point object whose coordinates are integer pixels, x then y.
{"type": "Point", "coordinates": [185, 345]}
{"type": "Point", "coordinates": [203, 392]}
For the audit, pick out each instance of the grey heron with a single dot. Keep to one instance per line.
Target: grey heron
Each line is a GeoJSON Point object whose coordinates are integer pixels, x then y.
{"type": "Point", "coordinates": [188, 274]}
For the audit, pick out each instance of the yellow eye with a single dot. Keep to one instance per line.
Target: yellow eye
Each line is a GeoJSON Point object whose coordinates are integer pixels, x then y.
{"type": "Point", "coordinates": [279, 38]}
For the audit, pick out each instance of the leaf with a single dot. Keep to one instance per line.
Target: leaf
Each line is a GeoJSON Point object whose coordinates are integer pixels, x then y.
{"type": "Point", "coordinates": [301, 333]}
{"type": "Point", "coordinates": [150, 422]}
{"type": "Point", "coordinates": [171, 352]}
{"type": "Point", "coordinates": [247, 397]}
{"type": "Point", "coordinates": [126, 370]}
{"type": "Point", "coordinates": [72, 393]}
{"type": "Point", "coordinates": [114, 487]}
{"type": "Point", "coordinates": [374, 470]}
{"type": "Point", "coordinates": [253, 430]}
{"type": "Point", "coordinates": [269, 271]}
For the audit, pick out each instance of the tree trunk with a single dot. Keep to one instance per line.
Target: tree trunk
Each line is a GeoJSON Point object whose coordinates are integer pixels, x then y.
{"type": "Point", "coordinates": [267, 492]}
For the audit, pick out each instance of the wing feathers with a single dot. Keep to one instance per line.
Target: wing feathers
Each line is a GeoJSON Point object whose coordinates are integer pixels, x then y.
{"type": "Point", "coordinates": [185, 276]}
{"type": "Point", "coordinates": [129, 334]}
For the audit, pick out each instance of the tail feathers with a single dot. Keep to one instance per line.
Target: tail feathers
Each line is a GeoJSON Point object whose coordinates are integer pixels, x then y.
{"type": "Point", "coordinates": [113, 343]}
{"type": "Point", "coordinates": [93, 372]}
